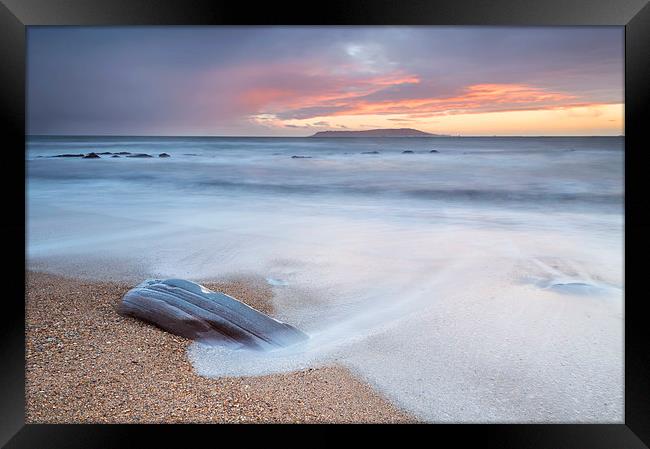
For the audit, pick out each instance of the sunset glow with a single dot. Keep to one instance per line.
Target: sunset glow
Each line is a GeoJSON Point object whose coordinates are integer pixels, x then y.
{"type": "Point", "coordinates": [296, 81]}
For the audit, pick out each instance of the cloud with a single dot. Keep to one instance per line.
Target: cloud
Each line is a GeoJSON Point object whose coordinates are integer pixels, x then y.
{"type": "Point", "coordinates": [476, 98]}
{"type": "Point", "coordinates": [223, 80]}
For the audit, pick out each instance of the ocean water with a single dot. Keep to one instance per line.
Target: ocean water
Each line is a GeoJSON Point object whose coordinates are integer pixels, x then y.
{"type": "Point", "coordinates": [481, 283]}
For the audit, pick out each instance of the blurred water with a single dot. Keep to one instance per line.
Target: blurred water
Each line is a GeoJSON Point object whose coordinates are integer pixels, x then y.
{"type": "Point", "coordinates": [481, 283]}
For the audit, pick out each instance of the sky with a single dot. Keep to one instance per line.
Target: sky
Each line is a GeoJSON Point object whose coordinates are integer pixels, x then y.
{"type": "Point", "coordinates": [295, 81]}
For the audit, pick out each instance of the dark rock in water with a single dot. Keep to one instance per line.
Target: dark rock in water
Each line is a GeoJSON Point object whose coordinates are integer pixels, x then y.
{"type": "Point", "coordinates": [123, 153]}
{"type": "Point", "coordinates": [115, 155]}
{"type": "Point", "coordinates": [164, 155]}
{"type": "Point", "coordinates": [105, 152]}
{"type": "Point", "coordinates": [190, 310]}
{"type": "Point", "coordinates": [370, 152]}
{"type": "Point", "coordinates": [407, 152]}
{"type": "Point", "coordinates": [92, 156]}
{"type": "Point", "coordinates": [69, 155]}
{"type": "Point", "coordinates": [140, 155]}
{"type": "Point", "coordinates": [434, 151]}
{"type": "Point", "coordinates": [190, 154]}
{"type": "Point", "coordinates": [300, 157]}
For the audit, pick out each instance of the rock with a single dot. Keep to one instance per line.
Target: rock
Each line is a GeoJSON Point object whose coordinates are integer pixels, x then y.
{"type": "Point", "coordinates": [300, 157]}
{"type": "Point", "coordinates": [69, 155]}
{"type": "Point", "coordinates": [105, 152]}
{"type": "Point", "coordinates": [434, 151]}
{"type": "Point", "coordinates": [407, 152]}
{"type": "Point", "coordinates": [92, 156]}
{"type": "Point", "coordinates": [191, 310]}
{"type": "Point", "coordinates": [164, 155]}
{"type": "Point", "coordinates": [115, 155]}
{"type": "Point", "coordinates": [123, 153]}
{"type": "Point", "coordinates": [140, 155]}
{"type": "Point", "coordinates": [576, 288]}
{"type": "Point", "coordinates": [370, 152]}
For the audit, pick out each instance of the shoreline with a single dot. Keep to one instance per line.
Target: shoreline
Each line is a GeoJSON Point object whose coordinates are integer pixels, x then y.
{"type": "Point", "coordinates": [85, 363]}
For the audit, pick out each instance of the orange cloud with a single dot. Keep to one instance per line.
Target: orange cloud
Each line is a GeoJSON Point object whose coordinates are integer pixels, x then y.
{"type": "Point", "coordinates": [477, 98]}
{"type": "Point", "coordinates": [300, 93]}
{"type": "Point", "coordinates": [260, 96]}
{"type": "Point", "coordinates": [593, 119]}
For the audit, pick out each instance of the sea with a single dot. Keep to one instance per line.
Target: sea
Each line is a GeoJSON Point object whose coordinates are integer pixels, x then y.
{"type": "Point", "coordinates": [467, 279]}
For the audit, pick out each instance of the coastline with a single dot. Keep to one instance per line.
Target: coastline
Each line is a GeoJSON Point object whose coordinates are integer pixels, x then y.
{"type": "Point", "coordinates": [87, 364]}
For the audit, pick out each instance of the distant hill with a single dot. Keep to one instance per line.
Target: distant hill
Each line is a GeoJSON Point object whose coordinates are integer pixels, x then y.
{"type": "Point", "coordinates": [394, 132]}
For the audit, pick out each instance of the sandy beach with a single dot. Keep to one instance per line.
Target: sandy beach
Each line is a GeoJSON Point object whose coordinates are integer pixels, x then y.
{"type": "Point", "coordinates": [87, 364]}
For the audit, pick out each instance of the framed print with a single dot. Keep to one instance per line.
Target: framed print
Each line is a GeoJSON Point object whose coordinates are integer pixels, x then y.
{"type": "Point", "coordinates": [424, 213]}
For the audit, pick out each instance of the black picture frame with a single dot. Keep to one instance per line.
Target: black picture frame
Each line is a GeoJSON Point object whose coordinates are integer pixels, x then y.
{"type": "Point", "coordinates": [16, 15]}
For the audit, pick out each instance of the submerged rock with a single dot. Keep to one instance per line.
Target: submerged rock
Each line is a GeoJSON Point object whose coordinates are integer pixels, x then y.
{"type": "Point", "coordinates": [193, 311]}
{"type": "Point", "coordinates": [140, 155]}
{"type": "Point", "coordinates": [164, 155]}
{"type": "Point", "coordinates": [115, 155]}
{"type": "Point", "coordinates": [434, 151]}
{"type": "Point", "coordinates": [407, 152]}
{"type": "Point", "coordinates": [300, 157]}
{"type": "Point", "coordinates": [123, 153]}
{"type": "Point", "coordinates": [92, 156]}
{"type": "Point", "coordinates": [69, 155]}
{"type": "Point", "coordinates": [105, 153]}
{"type": "Point", "coordinates": [576, 288]}
{"type": "Point", "coordinates": [370, 152]}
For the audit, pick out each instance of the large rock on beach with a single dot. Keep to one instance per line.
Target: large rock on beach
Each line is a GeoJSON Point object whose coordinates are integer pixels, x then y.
{"type": "Point", "coordinates": [193, 311]}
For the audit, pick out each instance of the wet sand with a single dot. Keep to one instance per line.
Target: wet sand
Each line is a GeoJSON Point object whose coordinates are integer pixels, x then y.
{"type": "Point", "coordinates": [87, 364]}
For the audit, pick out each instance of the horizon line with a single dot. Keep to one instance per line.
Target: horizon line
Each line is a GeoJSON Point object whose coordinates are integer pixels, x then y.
{"type": "Point", "coordinates": [440, 136]}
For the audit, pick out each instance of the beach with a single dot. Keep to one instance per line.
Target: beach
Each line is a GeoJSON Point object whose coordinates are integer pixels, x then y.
{"type": "Point", "coordinates": [474, 280]}
{"type": "Point", "coordinates": [431, 218]}
{"type": "Point", "coordinates": [87, 364]}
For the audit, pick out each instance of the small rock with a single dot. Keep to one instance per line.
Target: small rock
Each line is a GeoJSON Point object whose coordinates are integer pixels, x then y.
{"type": "Point", "coordinates": [370, 152]}
{"type": "Point", "coordinates": [115, 155]}
{"type": "Point", "coordinates": [407, 152]}
{"type": "Point", "coordinates": [163, 155]}
{"type": "Point", "coordinates": [300, 157]}
{"type": "Point", "coordinates": [434, 151]}
{"type": "Point", "coordinates": [69, 155]}
{"type": "Point", "coordinates": [91, 156]}
{"type": "Point", "coordinates": [140, 155]}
